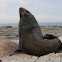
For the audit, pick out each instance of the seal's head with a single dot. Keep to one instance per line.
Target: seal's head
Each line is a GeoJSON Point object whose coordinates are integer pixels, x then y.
{"type": "Point", "coordinates": [22, 11]}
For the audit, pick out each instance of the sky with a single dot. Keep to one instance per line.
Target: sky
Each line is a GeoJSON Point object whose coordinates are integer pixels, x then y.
{"type": "Point", "coordinates": [43, 10]}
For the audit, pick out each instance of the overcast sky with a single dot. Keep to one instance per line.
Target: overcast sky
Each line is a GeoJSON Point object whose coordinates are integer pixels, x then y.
{"type": "Point", "coordinates": [43, 10]}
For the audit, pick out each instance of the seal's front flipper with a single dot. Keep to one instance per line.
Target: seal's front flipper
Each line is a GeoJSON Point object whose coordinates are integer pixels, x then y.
{"type": "Point", "coordinates": [16, 52]}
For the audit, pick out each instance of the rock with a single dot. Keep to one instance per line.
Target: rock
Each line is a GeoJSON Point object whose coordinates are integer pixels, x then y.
{"type": "Point", "coordinates": [60, 37]}
{"type": "Point", "coordinates": [19, 58]}
{"type": "Point", "coordinates": [17, 35]}
{"type": "Point", "coordinates": [6, 26]}
{"type": "Point", "coordinates": [28, 58]}
{"type": "Point", "coordinates": [7, 47]}
{"type": "Point", "coordinates": [10, 37]}
{"type": "Point", "coordinates": [50, 58]}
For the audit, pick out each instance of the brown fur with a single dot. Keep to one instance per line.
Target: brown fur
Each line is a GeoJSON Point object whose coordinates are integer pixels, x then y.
{"type": "Point", "coordinates": [31, 40]}
{"type": "Point", "coordinates": [22, 11]}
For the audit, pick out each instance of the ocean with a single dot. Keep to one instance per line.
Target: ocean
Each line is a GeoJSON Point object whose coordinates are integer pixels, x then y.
{"type": "Point", "coordinates": [41, 24]}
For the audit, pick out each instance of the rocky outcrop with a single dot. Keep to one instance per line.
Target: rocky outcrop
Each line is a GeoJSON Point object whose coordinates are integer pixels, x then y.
{"type": "Point", "coordinates": [7, 47]}
{"type": "Point", "coordinates": [12, 33]}
{"type": "Point", "coordinates": [6, 26]}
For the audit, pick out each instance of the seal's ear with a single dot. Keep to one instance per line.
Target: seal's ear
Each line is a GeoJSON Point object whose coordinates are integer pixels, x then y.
{"type": "Point", "coordinates": [22, 11]}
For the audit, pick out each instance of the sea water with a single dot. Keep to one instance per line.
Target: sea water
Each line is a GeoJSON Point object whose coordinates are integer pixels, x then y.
{"type": "Point", "coordinates": [41, 24]}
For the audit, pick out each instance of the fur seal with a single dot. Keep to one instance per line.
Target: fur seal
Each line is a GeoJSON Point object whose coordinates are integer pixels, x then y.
{"type": "Point", "coordinates": [31, 40]}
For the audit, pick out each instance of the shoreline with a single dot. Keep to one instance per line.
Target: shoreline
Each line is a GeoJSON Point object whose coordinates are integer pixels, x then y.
{"type": "Point", "coordinates": [11, 33]}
